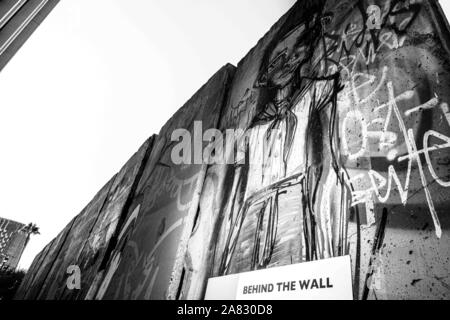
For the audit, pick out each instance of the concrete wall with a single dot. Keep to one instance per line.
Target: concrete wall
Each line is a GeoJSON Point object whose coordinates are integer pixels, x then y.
{"type": "Point", "coordinates": [344, 106]}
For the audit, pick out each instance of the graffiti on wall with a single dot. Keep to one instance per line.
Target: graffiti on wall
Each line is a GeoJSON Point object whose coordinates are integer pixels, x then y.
{"type": "Point", "coordinates": [149, 263]}
{"type": "Point", "coordinates": [358, 91]}
{"type": "Point", "coordinates": [344, 110]}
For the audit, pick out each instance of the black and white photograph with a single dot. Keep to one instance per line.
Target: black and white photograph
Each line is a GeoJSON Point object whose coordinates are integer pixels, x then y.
{"type": "Point", "coordinates": [229, 153]}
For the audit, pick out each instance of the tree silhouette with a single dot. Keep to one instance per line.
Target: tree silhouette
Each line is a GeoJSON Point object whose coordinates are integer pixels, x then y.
{"type": "Point", "coordinates": [30, 229]}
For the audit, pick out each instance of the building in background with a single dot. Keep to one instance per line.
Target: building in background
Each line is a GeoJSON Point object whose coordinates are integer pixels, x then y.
{"type": "Point", "coordinates": [13, 240]}
{"type": "Point", "coordinates": [18, 20]}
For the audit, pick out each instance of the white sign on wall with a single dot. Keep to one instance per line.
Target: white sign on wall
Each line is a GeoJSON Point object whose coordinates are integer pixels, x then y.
{"type": "Point", "coordinates": [328, 279]}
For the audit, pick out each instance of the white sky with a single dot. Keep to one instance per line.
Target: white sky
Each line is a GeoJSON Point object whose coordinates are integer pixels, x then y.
{"type": "Point", "coordinates": [95, 80]}
{"type": "Point", "coordinates": [98, 78]}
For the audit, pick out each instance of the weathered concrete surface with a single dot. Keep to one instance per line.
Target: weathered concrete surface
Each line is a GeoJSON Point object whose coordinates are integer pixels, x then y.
{"type": "Point", "coordinates": [149, 260]}
{"type": "Point", "coordinates": [343, 92]}
{"type": "Point", "coordinates": [85, 240]}
{"type": "Point", "coordinates": [345, 106]}
{"type": "Point", "coordinates": [110, 219]}
{"type": "Point", "coordinates": [92, 231]}
{"type": "Point", "coordinates": [393, 105]}
{"type": "Point", "coordinates": [244, 184]}
{"type": "Point", "coordinates": [223, 190]}
{"type": "Point", "coordinates": [31, 273]}
{"type": "Point", "coordinates": [71, 249]}
{"type": "Point", "coordinates": [41, 274]}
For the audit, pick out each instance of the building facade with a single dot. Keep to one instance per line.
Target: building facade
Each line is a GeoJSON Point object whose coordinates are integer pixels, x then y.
{"type": "Point", "coordinates": [13, 239]}
{"type": "Point", "coordinates": [18, 20]}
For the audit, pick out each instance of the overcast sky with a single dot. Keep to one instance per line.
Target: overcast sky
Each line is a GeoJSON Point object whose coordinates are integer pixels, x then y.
{"type": "Point", "coordinates": [95, 80]}
{"type": "Point", "coordinates": [98, 78]}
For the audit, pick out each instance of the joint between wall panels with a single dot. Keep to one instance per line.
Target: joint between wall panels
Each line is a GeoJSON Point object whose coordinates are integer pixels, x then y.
{"type": "Point", "coordinates": [122, 217]}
